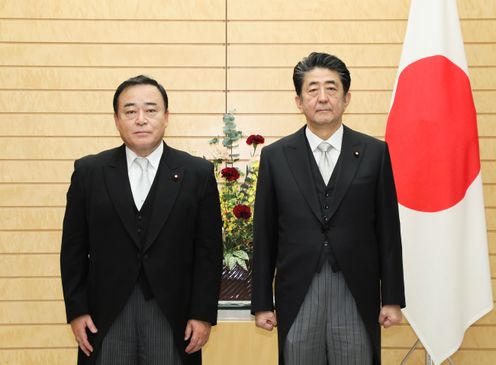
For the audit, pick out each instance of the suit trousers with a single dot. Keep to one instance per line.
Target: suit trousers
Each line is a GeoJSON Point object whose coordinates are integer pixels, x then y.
{"type": "Point", "coordinates": [328, 329]}
{"type": "Point", "coordinates": [140, 335]}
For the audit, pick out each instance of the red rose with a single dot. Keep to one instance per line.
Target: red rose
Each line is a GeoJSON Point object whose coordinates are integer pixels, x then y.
{"type": "Point", "coordinates": [230, 173]}
{"type": "Point", "coordinates": [255, 139]}
{"type": "Point", "coordinates": [242, 211]}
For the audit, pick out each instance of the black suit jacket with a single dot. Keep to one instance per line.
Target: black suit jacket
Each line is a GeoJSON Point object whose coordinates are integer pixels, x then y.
{"type": "Point", "coordinates": [364, 229]}
{"type": "Point", "coordinates": [101, 256]}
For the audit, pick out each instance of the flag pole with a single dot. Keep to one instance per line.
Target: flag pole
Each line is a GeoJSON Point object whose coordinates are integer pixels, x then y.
{"type": "Point", "coordinates": [428, 360]}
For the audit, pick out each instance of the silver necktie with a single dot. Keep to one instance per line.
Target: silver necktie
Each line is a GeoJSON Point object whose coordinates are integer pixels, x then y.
{"type": "Point", "coordinates": [325, 162]}
{"type": "Point", "coordinates": [143, 185]}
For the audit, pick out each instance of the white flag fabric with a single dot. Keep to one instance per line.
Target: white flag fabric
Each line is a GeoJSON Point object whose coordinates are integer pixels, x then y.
{"type": "Point", "coordinates": [432, 136]}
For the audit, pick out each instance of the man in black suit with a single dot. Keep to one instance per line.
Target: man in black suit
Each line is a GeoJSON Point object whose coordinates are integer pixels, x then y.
{"type": "Point", "coordinates": [327, 226]}
{"type": "Point", "coordinates": [141, 253]}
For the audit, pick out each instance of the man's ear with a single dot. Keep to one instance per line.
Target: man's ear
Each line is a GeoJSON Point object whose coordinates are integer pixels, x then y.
{"type": "Point", "coordinates": [299, 102]}
{"type": "Point", "coordinates": [347, 99]}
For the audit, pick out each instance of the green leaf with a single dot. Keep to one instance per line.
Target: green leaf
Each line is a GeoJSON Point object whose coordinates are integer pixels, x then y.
{"type": "Point", "coordinates": [241, 254]}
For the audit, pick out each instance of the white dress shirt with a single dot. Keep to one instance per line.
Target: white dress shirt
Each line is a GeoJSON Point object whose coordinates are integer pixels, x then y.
{"type": "Point", "coordinates": [336, 140]}
{"type": "Point", "coordinates": [134, 170]}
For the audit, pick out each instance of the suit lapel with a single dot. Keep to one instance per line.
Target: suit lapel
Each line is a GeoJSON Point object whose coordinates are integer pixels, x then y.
{"type": "Point", "coordinates": [296, 151]}
{"type": "Point", "coordinates": [119, 190]}
{"type": "Point", "coordinates": [352, 151]}
{"type": "Point", "coordinates": [169, 180]}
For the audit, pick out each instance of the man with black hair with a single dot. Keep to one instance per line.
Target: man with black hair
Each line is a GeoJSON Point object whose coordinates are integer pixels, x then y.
{"type": "Point", "coordinates": [327, 227]}
{"type": "Point", "coordinates": [141, 252]}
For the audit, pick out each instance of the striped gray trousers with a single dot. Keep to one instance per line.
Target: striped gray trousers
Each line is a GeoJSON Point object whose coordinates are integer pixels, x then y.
{"type": "Point", "coordinates": [328, 329]}
{"type": "Point", "coordinates": [140, 335]}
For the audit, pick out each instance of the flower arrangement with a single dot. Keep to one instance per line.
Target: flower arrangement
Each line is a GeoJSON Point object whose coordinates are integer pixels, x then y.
{"type": "Point", "coordinates": [237, 193]}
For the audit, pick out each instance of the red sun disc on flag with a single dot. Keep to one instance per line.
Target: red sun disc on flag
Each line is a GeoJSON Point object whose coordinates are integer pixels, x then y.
{"type": "Point", "coordinates": [432, 135]}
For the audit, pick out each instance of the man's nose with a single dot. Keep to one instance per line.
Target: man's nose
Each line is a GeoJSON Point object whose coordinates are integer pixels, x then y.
{"type": "Point", "coordinates": [141, 117]}
{"type": "Point", "coordinates": [322, 95]}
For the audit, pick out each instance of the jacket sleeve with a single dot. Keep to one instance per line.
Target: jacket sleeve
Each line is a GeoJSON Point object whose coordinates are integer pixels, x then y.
{"type": "Point", "coordinates": [208, 254]}
{"type": "Point", "coordinates": [389, 236]}
{"type": "Point", "coordinates": [265, 238]}
{"type": "Point", "coordinates": [75, 249]}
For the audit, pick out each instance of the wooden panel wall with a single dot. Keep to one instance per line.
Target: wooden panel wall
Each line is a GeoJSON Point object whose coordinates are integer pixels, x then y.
{"type": "Point", "coordinates": [60, 61]}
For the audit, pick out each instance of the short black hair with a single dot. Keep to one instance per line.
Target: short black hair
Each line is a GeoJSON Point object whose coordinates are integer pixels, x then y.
{"type": "Point", "coordinates": [320, 60]}
{"type": "Point", "coordinates": [139, 80]}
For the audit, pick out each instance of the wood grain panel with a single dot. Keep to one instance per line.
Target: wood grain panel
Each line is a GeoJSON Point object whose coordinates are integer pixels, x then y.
{"type": "Point", "coordinates": [335, 32]}
{"type": "Point", "coordinates": [368, 55]}
{"type": "Point", "coordinates": [486, 124]}
{"type": "Point", "coordinates": [108, 78]}
{"type": "Point", "coordinates": [41, 265]}
{"type": "Point", "coordinates": [488, 169]}
{"type": "Point", "coordinates": [36, 171]}
{"type": "Point", "coordinates": [335, 9]}
{"type": "Point", "coordinates": [32, 289]}
{"type": "Point", "coordinates": [49, 312]}
{"type": "Point", "coordinates": [30, 195]}
{"type": "Point", "coordinates": [491, 225]}
{"type": "Point", "coordinates": [487, 148]}
{"type": "Point", "coordinates": [31, 218]}
{"type": "Point", "coordinates": [252, 345]}
{"type": "Point", "coordinates": [101, 31]}
{"type": "Point", "coordinates": [491, 237]}
{"type": "Point", "coordinates": [29, 336]}
{"type": "Point", "coordinates": [277, 55]}
{"type": "Point", "coordinates": [69, 101]}
{"type": "Point", "coordinates": [315, 10]}
{"type": "Point", "coordinates": [114, 9]}
{"type": "Point", "coordinates": [30, 241]}
{"type": "Point", "coordinates": [490, 195]}
{"type": "Point", "coordinates": [111, 55]}
{"type": "Point", "coordinates": [51, 356]}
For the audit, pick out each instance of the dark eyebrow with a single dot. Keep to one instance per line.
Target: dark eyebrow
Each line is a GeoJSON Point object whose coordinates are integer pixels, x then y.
{"type": "Point", "coordinates": [134, 104]}
{"type": "Point", "coordinates": [312, 83]}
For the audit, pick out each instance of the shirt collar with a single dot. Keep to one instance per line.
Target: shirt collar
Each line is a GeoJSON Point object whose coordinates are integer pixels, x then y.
{"type": "Point", "coordinates": [336, 140]}
{"type": "Point", "coordinates": [153, 158]}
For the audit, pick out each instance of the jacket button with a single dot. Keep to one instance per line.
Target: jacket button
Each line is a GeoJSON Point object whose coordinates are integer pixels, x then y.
{"type": "Point", "coordinates": [140, 217]}
{"type": "Point", "coordinates": [326, 243]}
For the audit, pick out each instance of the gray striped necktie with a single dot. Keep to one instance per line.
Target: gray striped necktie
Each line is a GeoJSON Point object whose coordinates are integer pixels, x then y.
{"type": "Point", "coordinates": [325, 162]}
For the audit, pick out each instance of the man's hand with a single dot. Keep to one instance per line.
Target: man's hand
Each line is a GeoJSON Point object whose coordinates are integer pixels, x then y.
{"type": "Point", "coordinates": [390, 315]}
{"type": "Point", "coordinates": [197, 332]}
{"type": "Point", "coordinates": [266, 320]}
{"type": "Point", "coordinates": [79, 326]}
